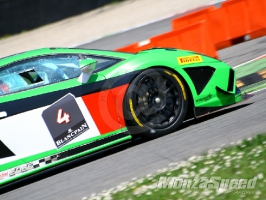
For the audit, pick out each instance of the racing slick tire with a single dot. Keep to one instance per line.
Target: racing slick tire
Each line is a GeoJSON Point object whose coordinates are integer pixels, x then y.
{"type": "Point", "coordinates": [155, 103]}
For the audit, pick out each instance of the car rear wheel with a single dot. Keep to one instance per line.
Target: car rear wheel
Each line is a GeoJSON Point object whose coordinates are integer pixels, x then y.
{"type": "Point", "coordinates": [155, 103]}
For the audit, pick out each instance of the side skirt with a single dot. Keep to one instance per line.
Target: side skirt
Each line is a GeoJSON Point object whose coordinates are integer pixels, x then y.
{"type": "Point", "coordinates": [201, 111]}
{"type": "Point", "coordinates": [66, 156]}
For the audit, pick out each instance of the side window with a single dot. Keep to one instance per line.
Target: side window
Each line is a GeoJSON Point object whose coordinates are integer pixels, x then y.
{"type": "Point", "coordinates": [102, 62]}
{"type": "Point", "coordinates": [38, 71]}
{"type": "Point", "coordinates": [58, 68]}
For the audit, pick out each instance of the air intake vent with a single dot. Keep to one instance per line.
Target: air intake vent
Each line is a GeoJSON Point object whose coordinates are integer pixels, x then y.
{"type": "Point", "coordinates": [200, 76]}
{"type": "Point", "coordinates": [231, 85]}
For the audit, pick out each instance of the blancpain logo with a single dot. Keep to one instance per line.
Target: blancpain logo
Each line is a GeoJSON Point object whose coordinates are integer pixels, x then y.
{"type": "Point", "coordinates": [72, 134]}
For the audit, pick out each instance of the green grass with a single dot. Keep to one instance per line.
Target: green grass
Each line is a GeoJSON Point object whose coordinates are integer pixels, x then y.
{"type": "Point", "coordinates": [244, 160]}
{"type": "Point", "coordinates": [250, 68]}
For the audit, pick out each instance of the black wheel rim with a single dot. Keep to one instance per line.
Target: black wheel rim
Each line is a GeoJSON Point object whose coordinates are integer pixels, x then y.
{"type": "Point", "coordinates": [158, 100]}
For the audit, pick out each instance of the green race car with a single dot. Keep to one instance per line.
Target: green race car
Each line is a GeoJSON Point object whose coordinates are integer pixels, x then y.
{"type": "Point", "coordinates": [58, 104]}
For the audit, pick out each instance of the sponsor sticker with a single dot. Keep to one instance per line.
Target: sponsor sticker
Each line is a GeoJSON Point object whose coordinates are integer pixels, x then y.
{"type": "Point", "coordinates": [204, 99]}
{"type": "Point", "coordinates": [3, 175]}
{"type": "Point", "coordinates": [189, 59]}
{"type": "Point", "coordinates": [20, 169]}
{"type": "Point", "coordinates": [65, 120]}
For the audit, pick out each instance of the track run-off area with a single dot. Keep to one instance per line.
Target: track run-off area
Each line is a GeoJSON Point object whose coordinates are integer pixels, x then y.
{"type": "Point", "coordinates": [109, 168]}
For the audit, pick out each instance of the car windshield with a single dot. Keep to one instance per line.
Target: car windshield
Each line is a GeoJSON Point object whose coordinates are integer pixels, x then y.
{"type": "Point", "coordinates": [44, 70]}
{"type": "Point", "coordinates": [38, 71]}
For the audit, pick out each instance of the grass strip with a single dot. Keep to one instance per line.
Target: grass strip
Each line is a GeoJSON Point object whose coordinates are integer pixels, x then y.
{"type": "Point", "coordinates": [254, 87]}
{"type": "Point", "coordinates": [249, 68]}
{"type": "Point", "coordinates": [238, 163]}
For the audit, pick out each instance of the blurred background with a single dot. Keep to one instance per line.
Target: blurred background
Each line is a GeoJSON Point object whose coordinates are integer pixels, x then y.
{"type": "Point", "coordinates": [17, 16]}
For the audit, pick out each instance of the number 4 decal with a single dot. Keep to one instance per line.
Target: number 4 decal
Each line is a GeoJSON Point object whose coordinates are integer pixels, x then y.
{"type": "Point", "coordinates": [62, 117]}
{"type": "Point", "coordinates": [64, 121]}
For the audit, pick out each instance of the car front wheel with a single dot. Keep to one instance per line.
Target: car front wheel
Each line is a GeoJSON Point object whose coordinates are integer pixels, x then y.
{"type": "Point", "coordinates": [155, 103]}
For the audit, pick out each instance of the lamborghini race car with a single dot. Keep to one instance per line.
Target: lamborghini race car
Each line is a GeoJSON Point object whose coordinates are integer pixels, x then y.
{"type": "Point", "coordinates": [58, 104]}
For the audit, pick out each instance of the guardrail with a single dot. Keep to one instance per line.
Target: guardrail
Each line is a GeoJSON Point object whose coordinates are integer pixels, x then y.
{"type": "Point", "coordinates": [211, 28]}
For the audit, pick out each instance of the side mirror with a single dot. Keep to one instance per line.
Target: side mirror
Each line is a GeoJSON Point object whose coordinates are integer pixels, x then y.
{"type": "Point", "coordinates": [87, 66]}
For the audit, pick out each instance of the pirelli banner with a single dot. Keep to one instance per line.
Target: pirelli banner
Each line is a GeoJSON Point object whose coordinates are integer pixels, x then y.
{"type": "Point", "coordinates": [189, 59]}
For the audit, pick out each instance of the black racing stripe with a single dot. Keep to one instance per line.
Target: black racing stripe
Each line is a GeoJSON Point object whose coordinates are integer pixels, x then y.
{"type": "Point", "coordinates": [5, 151]}
{"type": "Point", "coordinates": [30, 103]}
{"type": "Point", "coordinates": [122, 80]}
{"type": "Point", "coordinates": [91, 145]}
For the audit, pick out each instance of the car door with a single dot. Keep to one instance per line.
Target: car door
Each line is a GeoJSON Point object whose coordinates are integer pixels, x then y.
{"type": "Point", "coordinates": [48, 116]}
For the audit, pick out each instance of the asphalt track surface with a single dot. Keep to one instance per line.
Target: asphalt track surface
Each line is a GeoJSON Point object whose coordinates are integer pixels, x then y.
{"type": "Point", "coordinates": [139, 158]}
